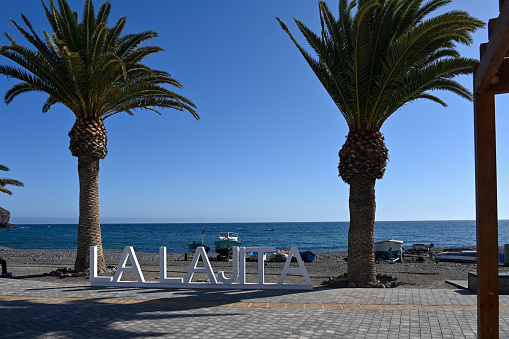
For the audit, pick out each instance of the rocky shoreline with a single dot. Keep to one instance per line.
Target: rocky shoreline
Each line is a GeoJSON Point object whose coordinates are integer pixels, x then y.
{"type": "Point", "coordinates": [3, 226]}
{"type": "Point", "coordinates": [37, 264]}
{"type": "Point", "coordinates": [5, 216]}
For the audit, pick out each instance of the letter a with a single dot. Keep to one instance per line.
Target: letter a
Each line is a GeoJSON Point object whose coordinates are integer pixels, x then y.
{"type": "Point", "coordinates": [200, 251]}
{"type": "Point", "coordinates": [287, 270]}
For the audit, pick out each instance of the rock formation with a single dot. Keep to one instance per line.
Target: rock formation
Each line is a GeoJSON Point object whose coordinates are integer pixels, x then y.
{"type": "Point", "coordinates": [5, 215]}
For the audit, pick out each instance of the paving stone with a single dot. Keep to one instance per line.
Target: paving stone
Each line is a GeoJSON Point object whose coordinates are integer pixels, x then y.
{"type": "Point", "coordinates": [154, 313]}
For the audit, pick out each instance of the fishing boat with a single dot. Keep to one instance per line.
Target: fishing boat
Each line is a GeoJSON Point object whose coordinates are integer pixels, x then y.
{"type": "Point", "coordinates": [195, 245]}
{"type": "Point", "coordinates": [277, 256]}
{"type": "Point", "coordinates": [388, 250]}
{"type": "Point", "coordinates": [307, 256]}
{"type": "Point", "coordinates": [388, 245]}
{"type": "Point", "coordinates": [419, 250]}
{"type": "Point", "coordinates": [253, 256]}
{"type": "Point", "coordinates": [466, 256]}
{"type": "Point", "coordinates": [225, 242]}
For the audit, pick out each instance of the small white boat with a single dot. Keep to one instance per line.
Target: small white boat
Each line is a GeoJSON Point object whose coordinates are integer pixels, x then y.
{"type": "Point", "coordinates": [419, 247]}
{"type": "Point", "coordinates": [388, 245]}
{"type": "Point", "coordinates": [468, 256]}
{"type": "Point", "coordinates": [277, 256]}
{"type": "Point", "coordinates": [388, 250]}
{"type": "Point", "coordinates": [420, 250]}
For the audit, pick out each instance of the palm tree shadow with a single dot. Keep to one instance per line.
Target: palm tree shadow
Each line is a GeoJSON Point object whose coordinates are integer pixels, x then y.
{"type": "Point", "coordinates": [230, 296]}
{"type": "Point", "coordinates": [174, 296]}
{"type": "Point", "coordinates": [30, 319]}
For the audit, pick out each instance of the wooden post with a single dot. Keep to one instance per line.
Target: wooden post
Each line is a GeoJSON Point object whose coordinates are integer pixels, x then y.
{"type": "Point", "coordinates": [487, 218]}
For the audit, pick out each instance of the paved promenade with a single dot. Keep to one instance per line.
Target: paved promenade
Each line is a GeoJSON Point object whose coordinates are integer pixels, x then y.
{"type": "Point", "coordinates": [31, 309]}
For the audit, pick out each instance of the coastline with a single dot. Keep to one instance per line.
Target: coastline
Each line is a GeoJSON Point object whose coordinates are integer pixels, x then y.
{"type": "Point", "coordinates": [36, 264]}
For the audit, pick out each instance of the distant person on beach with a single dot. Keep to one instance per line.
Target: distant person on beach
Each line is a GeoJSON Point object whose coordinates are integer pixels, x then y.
{"type": "Point", "coordinates": [4, 267]}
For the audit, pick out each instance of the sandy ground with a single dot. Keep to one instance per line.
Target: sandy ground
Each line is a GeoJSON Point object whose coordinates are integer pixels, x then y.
{"type": "Point", "coordinates": [37, 264]}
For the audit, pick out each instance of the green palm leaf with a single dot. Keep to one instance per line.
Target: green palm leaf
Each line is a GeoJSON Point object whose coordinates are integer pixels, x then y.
{"type": "Point", "coordinates": [364, 59]}
{"type": "Point", "coordinates": [6, 181]}
{"type": "Point", "coordinates": [82, 63]}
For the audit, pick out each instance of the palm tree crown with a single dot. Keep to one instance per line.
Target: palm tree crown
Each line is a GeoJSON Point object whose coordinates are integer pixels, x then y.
{"type": "Point", "coordinates": [88, 67]}
{"type": "Point", "coordinates": [387, 54]}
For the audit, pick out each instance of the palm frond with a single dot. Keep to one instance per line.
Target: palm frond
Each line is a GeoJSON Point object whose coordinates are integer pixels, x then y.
{"type": "Point", "coordinates": [88, 66]}
{"type": "Point", "coordinates": [113, 36]}
{"type": "Point", "coordinates": [6, 181]}
{"type": "Point", "coordinates": [103, 13]}
{"type": "Point", "coordinates": [382, 54]}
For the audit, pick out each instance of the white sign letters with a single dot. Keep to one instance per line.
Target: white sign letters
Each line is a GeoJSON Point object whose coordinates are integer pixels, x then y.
{"type": "Point", "coordinates": [238, 271]}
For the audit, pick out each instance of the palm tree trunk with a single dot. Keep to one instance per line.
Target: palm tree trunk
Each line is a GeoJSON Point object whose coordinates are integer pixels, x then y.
{"type": "Point", "coordinates": [89, 228]}
{"type": "Point", "coordinates": [361, 234]}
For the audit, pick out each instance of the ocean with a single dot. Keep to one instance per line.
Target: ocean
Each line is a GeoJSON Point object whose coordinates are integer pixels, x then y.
{"type": "Point", "coordinates": [314, 236]}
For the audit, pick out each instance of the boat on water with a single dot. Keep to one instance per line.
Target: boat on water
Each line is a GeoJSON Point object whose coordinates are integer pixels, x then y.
{"type": "Point", "coordinates": [388, 250]}
{"type": "Point", "coordinates": [195, 245]}
{"type": "Point", "coordinates": [225, 242]}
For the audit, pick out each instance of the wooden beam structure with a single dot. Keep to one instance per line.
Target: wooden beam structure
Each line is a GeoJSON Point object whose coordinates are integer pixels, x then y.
{"type": "Point", "coordinates": [500, 82]}
{"type": "Point", "coordinates": [487, 217]}
{"type": "Point", "coordinates": [495, 52]}
{"type": "Point", "coordinates": [491, 77]}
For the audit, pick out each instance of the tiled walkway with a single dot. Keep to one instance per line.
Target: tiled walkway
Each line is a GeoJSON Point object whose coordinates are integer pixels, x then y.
{"type": "Point", "coordinates": [32, 309]}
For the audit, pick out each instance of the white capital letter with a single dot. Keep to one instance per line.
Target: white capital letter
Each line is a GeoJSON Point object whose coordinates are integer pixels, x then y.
{"type": "Point", "coordinates": [128, 251]}
{"type": "Point", "coordinates": [235, 268]}
{"type": "Point", "coordinates": [93, 267]}
{"type": "Point", "coordinates": [163, 270]}
{"type": "Point", "coordinates": [200, 252]}
{"type": "Point", "coordinates": [261, 265]}
{"type": "Point", "coordinates": [287, 270]}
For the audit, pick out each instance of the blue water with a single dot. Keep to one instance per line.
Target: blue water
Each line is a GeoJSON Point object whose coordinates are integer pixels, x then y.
{"type": "Point", "coordinates": [314, 236]}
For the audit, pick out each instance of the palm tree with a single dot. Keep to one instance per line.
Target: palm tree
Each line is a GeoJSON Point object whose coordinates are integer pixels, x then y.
{"type": "Point", "coordinates": [95, 72]}
{"type": "Point", "coordinates": [6, 181]}
{"type": "Point", "coordinates": [377, 56]}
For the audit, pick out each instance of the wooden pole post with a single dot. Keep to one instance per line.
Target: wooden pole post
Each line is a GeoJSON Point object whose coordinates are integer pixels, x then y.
{"type": "Point", "coordinates": [487, 218]}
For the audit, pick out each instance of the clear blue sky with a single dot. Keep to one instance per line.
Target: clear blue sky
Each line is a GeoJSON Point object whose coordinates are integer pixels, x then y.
{"type": "Point", "coordinates": [267, 146]}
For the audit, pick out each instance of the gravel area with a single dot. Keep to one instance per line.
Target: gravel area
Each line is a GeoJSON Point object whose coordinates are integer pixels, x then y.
{"type": "Point", "coordinates": [36, 264]}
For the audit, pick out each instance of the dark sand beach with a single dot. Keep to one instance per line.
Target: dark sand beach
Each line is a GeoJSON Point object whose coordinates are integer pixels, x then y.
{"type": "Point", "coordinates": [36, 264]}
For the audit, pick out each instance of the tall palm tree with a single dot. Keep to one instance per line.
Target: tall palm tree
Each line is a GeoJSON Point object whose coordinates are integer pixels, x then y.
{"type": "Point", "coordinates": [377, 56]}
{"type": "Point", "coordinates": [6, 181]}
{"type": "Point", "coordinates": [95, 72]}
